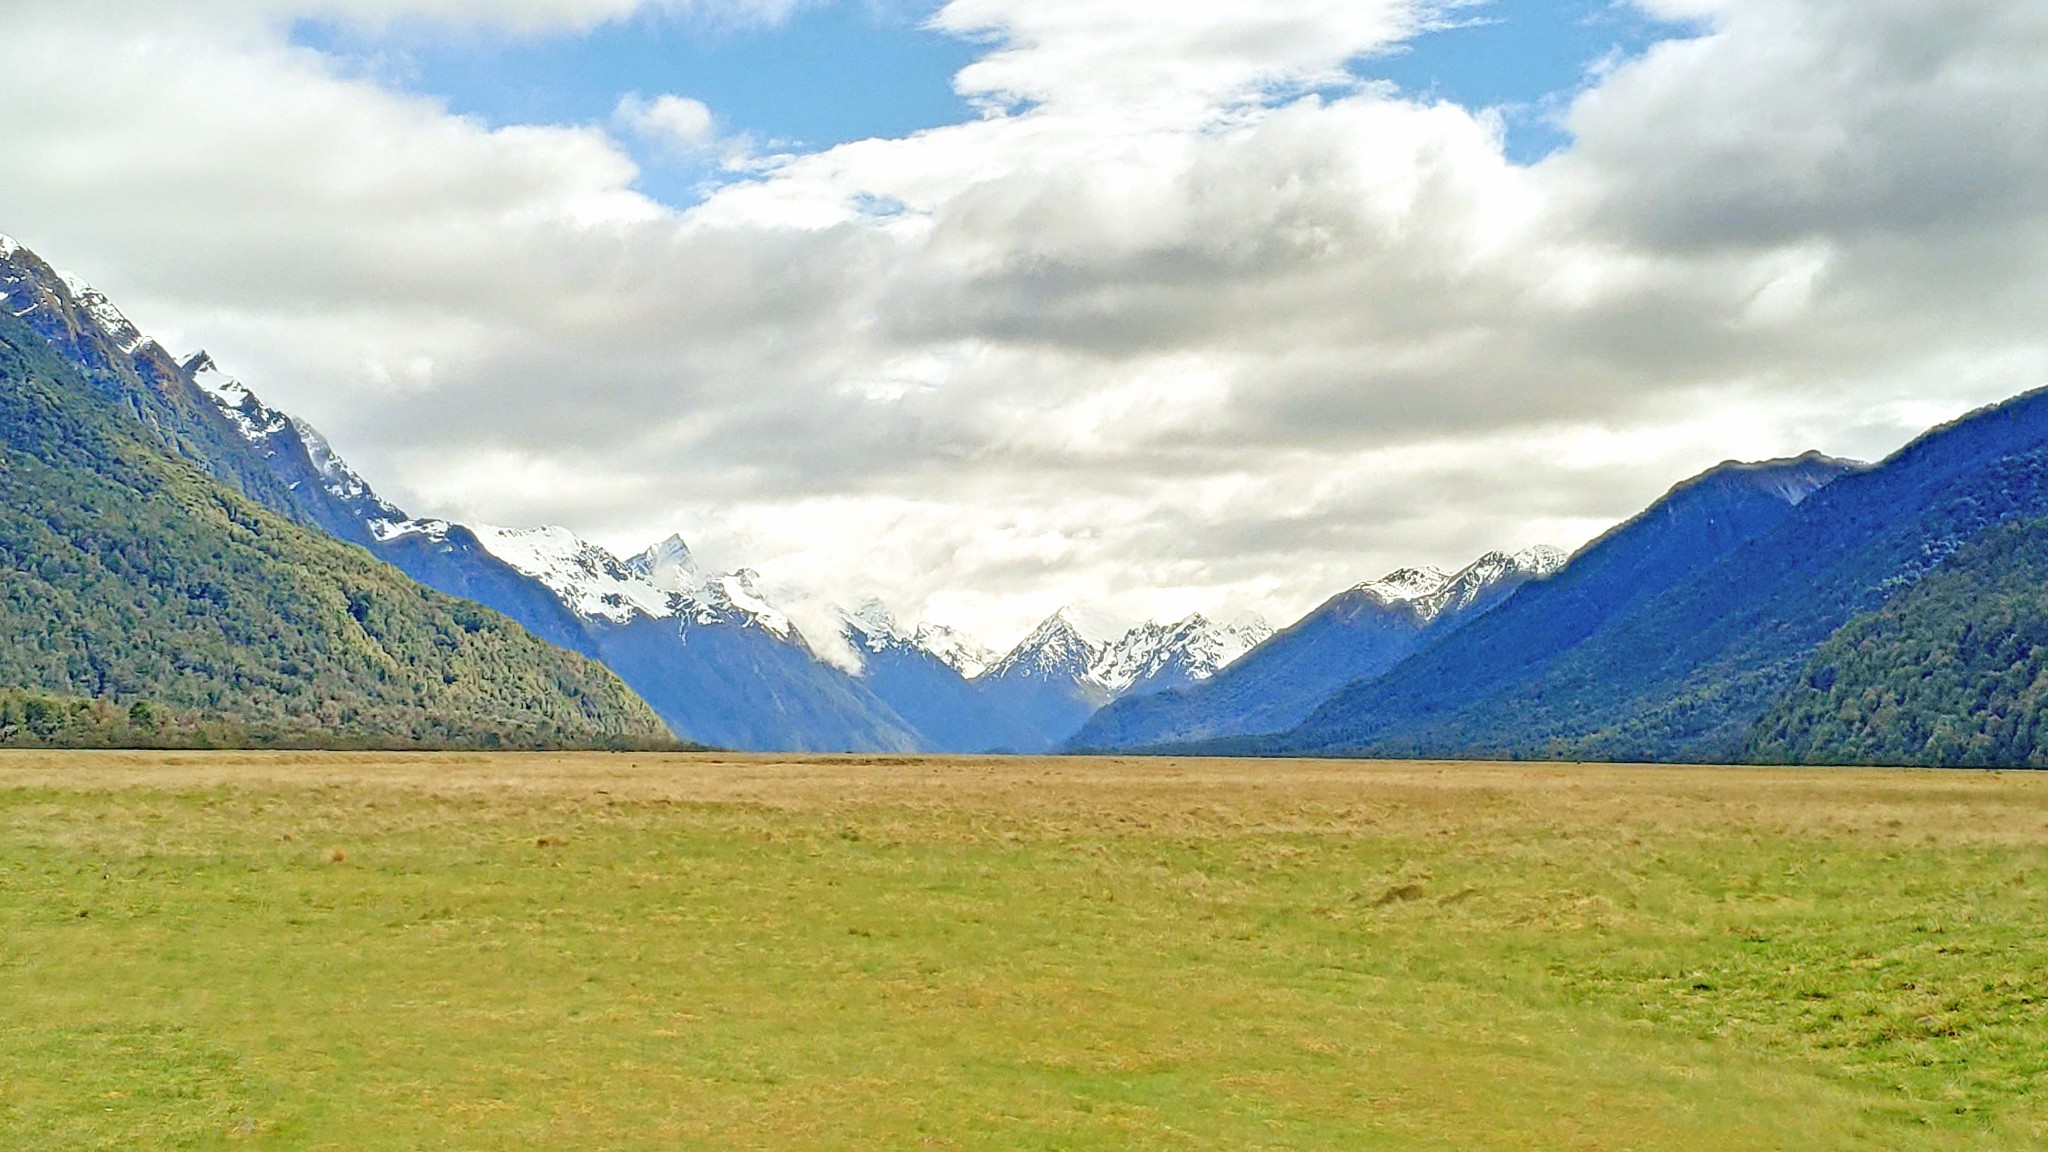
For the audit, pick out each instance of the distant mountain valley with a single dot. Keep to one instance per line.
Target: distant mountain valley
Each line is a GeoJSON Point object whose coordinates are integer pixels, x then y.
{"type": "Point", "coordinates": [185, 562]}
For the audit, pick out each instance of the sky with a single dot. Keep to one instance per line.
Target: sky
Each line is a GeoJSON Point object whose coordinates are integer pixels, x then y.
{"type": "Point", "coordinates": [989, 306]}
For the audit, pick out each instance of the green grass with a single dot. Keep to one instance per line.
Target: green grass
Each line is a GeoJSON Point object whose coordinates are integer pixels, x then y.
{"type": "Point", "coordinates": [620, 952]}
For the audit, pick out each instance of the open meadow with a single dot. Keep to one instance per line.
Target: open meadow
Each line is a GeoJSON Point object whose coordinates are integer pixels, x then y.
{"type": "Point", "coordinates": [631, 951]}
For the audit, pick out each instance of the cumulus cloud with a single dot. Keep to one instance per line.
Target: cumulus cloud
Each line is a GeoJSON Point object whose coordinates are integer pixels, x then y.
{"type": "Point", "coordinates": [1179, 61]}
{"type": "Point", "coordinates": [1185, 319]}
{"type": "Point", "coordinates": [677, 121]}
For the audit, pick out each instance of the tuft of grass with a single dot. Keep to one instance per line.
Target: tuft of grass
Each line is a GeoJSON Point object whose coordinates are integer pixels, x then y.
{"type": "Point", "coordinates": [781, 953]}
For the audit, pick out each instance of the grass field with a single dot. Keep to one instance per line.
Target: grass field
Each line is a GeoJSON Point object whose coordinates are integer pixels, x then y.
{"type": "Point", "coordinates": [632, 951]}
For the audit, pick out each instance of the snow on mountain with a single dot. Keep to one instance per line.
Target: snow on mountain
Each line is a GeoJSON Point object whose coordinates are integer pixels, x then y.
{"type": "Point", "coordinates": [1193, 649]}
{"type": "Point", "coordinates": [340, 480]}
{"type": "Point", "coordinates": [873, 627]}
{"type": "Point", "coordinates": [668, 566]}
{"type": "Point", "coordinates": [1075, 645]}
{"type": "Point", "coordinates": [968, 656]}
{"type": "Point", "coordinates": [662, 583]}
{"type": "Point", "coordinates": [1062, 647]}
{"type": "Point", "coordinates": [386, 531]}
{"type": "Point", "coordinates": [108, 318]}
{"type": "Point", "coordinates": [1405, 585]}
{"type": "Point", "coordinates": [256, 422]}
{"type": "Point", "coordinates": [1461, 591]}
{"type": "Point", "coordinates": [740, 592]}
{"type": "Point", "coordinates": [1434, 592]}
{"type": "Point", "coordinates": [265, 428]}
{"type": "Point", "coordinates": [589, 579]}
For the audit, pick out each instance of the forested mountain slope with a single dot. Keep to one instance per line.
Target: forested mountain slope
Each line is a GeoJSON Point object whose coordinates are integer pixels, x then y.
{"type": "Point", "coordinates": [1953, 673]}
{"type": "Point", "coordinates": [128, 573]}
{"type": "Point", "coordinates": [1688, 674]}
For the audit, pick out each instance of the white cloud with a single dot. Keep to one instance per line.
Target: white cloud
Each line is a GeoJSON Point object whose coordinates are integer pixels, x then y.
{"type": "Point", "coordinates": [1177, 59]}
{"type": "Point", "coordinates": [677, 121]}
{"type": "Point", "coordinates": [1156, 332]}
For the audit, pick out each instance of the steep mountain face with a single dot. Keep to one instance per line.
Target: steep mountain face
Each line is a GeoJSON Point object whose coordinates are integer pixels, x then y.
{"type": "Point", "coordinates": [926, 676]}
{"type": "Point", "coordinates": [1044, 683]}
{"type": "Point", "coordinates": [130, 575]}
{"type": "Point", "coordinates": [1074, 663]}
{"type": "Point", "coordinates": [1154, 657]}
{"type": "Point", "coordinates": [712, 655]}
{"type": "Point", "coordinates": [1952, 673]}
{"type": "Point", "coordinates": [719, 664]}
{"type": "Point", "coordinates": [1674, 636]}
{"type": "Point", "coordinates": [1359, 633]}
{"type": "Point", "coordinates": [122, 365]}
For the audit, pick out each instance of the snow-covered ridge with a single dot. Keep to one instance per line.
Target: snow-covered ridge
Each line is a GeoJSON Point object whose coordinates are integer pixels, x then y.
{"type": "Point", "coordinates": [107, 318]}
{"type": "Point", "coordinates": [968, 656]}
{"type": "Point", "coordinates": [1197, 646]}
{"type": "Point", "coordinates": [1472, 582]}
{"type": "Point", "coordinates": [1433, 592]}
{"type": "Point", "coordinates": [1072, 644]}
{"type": "Point", "coordinates": [1406, 584]}
{"type": "Point", "coordinates": [8, 246]}
{"type": "Point", "coordinates": [260, 425]}
{"type": "Point", "coordinates": [662, 583]}
{"type": "Point", "coordinates": [389, 530]}
{"type": "Point", "coordinates": [872, 628]}
{"type": "Point", "coordinates": [256, 421]}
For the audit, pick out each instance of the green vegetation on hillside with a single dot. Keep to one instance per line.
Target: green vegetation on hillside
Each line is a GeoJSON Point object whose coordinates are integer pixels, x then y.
{"type": "Point", "coordinates": [1952, 673]}
{"type": "Point", "coordinates": [631, 952]}
{"type": "Point", "coordinates": [127, 575]}
{"type": "Point", "coordinates": [37, 720]}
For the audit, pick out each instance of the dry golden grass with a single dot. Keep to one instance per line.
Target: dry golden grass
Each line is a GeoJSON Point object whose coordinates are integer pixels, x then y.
{"type": "Point", "coordinates": [637, 950]}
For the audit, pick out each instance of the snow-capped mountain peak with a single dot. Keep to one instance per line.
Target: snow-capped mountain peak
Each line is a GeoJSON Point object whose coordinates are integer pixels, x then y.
{"type": "Point", "coordinates": [968, 656]}
{"type": "Point", "coordinates": [1406, 584]}
{"type": "Point", "coordinates": [1461, 591]}
{"type": "Point", "coordinates": [876, 628]}
{"type": "Point", "coordinates": [1097, 629]}
{"type": "Point", "coordinates": [668, 566]}
{"type": "Point", "coordinates": [1082, 646]}
{"type": "Point", "coordinates": [104, 315]}
{"type": "Point", "coordinates": [1056, 648]}
{"type": "Point", "coordinates": [1195, 648]}
{"type": "Point", "coordinates": [661, 584]}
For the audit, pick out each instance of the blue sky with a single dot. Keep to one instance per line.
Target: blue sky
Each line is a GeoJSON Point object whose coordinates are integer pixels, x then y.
{"type": "Point", "coordinates": [1525, 57]}
{"type": "Point", "coordinates": [853, 69]}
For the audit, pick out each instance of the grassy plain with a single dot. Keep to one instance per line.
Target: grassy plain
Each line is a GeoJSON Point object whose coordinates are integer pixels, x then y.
{"type": "Point", "coordinates": [635, 951]}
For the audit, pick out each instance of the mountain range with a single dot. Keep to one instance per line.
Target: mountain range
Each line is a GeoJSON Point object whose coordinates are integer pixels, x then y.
{"type": "Point", "coordinates": [159, 590]}
{"type": "Point", "coordinates": [184, 563]}
{"type": "Point", "coordinates": [1356, 634]}
{"type": "Point", "coordinates": [710, 652]}
{"type": "Point", "coordinates": [1808, 610]}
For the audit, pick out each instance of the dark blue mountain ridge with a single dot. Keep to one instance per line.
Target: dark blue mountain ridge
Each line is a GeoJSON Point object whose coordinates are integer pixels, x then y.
{"type": "Point", "coordinates": [1044, 683]}
{"type": "Point", "coordinates": [1358, 633]}
{"type": "Point", "coordinates": [1688, 673]}
{"type": "Point", "coordinates": [951, 712]}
